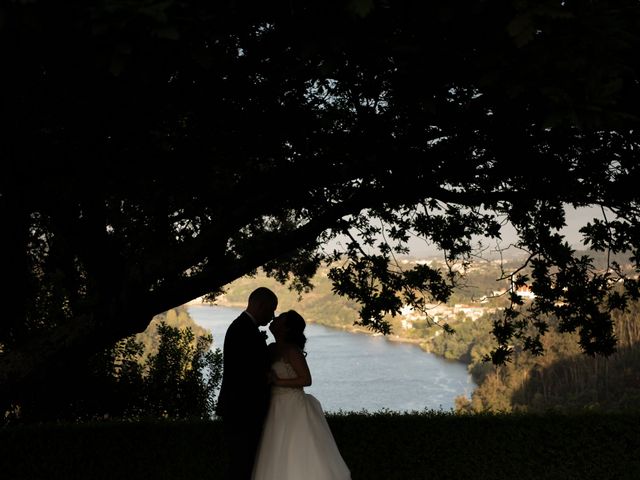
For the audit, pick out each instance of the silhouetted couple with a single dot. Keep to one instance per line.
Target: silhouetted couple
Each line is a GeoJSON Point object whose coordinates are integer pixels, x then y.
{"type": "Point", "coordinates": [273, 429]}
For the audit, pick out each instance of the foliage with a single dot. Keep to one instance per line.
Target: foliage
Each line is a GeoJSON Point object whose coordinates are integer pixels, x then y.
{"type": "Point", "coordinates": [418, 445]}
{"type": "Point", "coordinates": [181, 379]}
{"type": "Point", "coordinates": [561, 380]}
{"type": "Point", "coordinates": [176, 378]}
{"type": "Point", "coordinates": [177, 318]}
{"type": "Point", "coordinates": [178, 126]}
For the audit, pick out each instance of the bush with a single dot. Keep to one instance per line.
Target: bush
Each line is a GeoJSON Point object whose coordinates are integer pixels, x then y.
{"type": "Point", "coordinates": [376, 446]}
{"type": "Point", "coordinates": [178, 381]}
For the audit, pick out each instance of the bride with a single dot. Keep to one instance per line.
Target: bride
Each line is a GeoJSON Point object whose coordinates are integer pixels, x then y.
{"type": "Point", "coordinates": [296, 441]}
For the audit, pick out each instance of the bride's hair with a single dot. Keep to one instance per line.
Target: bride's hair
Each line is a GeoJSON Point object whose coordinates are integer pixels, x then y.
{"type": "Point", "coordinates": [295, 329]}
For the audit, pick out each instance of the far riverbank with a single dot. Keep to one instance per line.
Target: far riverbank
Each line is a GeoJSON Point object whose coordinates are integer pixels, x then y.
{"type": "Point", "coordinates": [223, 302]}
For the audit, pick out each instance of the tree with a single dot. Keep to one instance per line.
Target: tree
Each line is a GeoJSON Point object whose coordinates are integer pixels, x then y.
{"type": "Point", "coordinates": [155, 151]}
{"type": "Point", "coordinates": [181, 378]}
{"type": "Point", "coordinates": [177, 378]}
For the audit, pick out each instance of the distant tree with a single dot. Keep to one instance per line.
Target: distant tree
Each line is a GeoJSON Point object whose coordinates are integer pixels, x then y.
{"type": "Point", "coordinates": [562, 380]}
{"type": "Point", "coordinates": [155, 151]}
{"type": "Point", "coordinates": [178, 318]}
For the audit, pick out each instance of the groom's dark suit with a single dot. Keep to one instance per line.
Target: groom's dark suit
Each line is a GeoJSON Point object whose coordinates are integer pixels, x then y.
{"type": "Point", "coordinates": [244, 394]}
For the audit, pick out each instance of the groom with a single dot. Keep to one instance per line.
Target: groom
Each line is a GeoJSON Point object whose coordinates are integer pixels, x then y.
{"type": "Point", "coordinates": [244, 394]}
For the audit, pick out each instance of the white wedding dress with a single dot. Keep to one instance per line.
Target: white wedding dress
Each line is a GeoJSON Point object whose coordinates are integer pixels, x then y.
{"type": "Point", "coordinates": [297, 443]}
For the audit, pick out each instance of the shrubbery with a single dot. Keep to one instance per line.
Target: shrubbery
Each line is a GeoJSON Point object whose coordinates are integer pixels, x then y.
{"type": "Point", "coordinates": [376, 446]}
{"type": "Point", "coordinates": [173, 376]}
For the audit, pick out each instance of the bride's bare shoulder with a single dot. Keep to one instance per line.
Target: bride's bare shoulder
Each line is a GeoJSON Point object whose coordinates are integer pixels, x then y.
{"type": "Point", "coordinates": [283, 351]}
{"type": "Point", "coordinates": [274, 352]}
{"type": "Point", "coordinates": [290, 351]}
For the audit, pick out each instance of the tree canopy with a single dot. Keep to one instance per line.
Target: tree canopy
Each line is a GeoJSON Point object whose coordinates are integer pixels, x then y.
{"type": "Point", "coordinates": [154, 151]}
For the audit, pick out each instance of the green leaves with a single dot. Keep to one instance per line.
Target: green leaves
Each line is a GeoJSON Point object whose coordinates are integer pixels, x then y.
{"type": "Point", "coordinates": [183, 124]}
{"type": "Point", "coordinates": [362, 8]}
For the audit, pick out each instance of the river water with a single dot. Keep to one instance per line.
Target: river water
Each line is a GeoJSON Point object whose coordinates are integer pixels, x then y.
{"type": "Point", "coordinates": [355, 372]}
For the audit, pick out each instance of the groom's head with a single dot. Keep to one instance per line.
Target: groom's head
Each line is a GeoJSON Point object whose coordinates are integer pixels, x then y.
{"type": "Point", "coordinates": [262, 305]}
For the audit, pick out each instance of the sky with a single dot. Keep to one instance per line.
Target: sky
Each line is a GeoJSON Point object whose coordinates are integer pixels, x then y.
{"type": "Point", "coordinates": [575, 218]}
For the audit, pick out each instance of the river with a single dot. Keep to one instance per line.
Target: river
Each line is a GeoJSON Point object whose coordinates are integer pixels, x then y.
{"type": "Point", "coordinates": [355, 371]}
